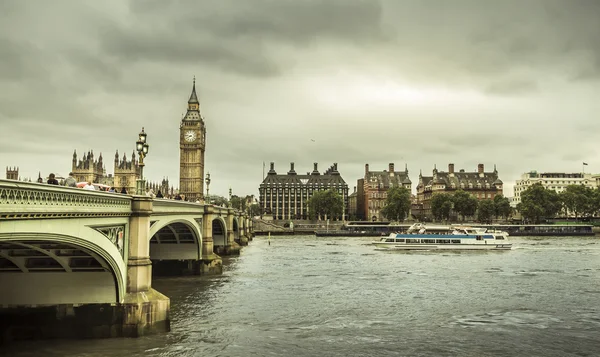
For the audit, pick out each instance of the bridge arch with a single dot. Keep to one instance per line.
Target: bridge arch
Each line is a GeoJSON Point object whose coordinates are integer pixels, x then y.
{"type": "Point", "coordinates": [219, 233]}
{"type": "Point", "coordinates": [236, 229]}
{"type": "Point", "coordinates": [51, 268]}
{"type": "Point", "coordinates": [172, 240]}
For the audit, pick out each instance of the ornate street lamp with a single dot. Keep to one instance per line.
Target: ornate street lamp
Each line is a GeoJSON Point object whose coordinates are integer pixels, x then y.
{"type": "Point", "coordinates": [229, 196]}
{"type": "Point", "coordinates": [142, 148]}
{"type": "Point", "coordinates": [207, 180]}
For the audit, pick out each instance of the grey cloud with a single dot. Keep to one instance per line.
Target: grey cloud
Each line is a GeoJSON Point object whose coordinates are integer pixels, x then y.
{"type": "Point", "coordinates": [92, 78]}
{"type": "Point", "coordinates": [250, 38]}
{"type": "Point", "coordinates": [511, 87]}
{"type": "Point", "coordinates": [286, 21]}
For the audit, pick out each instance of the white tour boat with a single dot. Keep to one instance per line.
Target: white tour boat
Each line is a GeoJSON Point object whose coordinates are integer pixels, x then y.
{"type": "Point", "coordinates": [424, 237]}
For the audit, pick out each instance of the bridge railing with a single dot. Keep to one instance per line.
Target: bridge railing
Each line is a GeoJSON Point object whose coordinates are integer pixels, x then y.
{"type": "Point", "coordinates": [23, 200]}
{"type": "Point", "coordinates": [166, 206]}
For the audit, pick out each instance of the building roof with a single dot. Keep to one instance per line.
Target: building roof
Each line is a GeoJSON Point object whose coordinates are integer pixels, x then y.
{"type": "Point", "coordinates": [386, 179]}
{"type": "Point", "coordinates": [424, 180]}
{"type": "Point", "coordinates": [329, 177]}
{"type": "Point", "coordinates": [463, 180]}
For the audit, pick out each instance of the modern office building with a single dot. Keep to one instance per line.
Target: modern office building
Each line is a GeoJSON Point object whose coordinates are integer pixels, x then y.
{"type": "Point", "coordinates": [285, 196]}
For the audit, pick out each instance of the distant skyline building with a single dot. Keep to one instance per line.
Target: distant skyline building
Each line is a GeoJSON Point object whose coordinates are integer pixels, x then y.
{"type": "Point", "coordinates": [556, 181]}
{"type": "Point", "coordinates": [285, 196]}
{"type": "Point", "coordinates": [88, 169]}
{"type": "Point", "coordinates": [126, 172]}
{"type": "Point", "coordinates": [12, 173]}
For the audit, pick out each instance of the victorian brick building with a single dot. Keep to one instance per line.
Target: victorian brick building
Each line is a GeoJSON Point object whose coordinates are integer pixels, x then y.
{"type": "Point", "coordinates": [285, 196]}
{"type": "Point", "coordinates": [372, 190]}
{"type": "Point", "coordinates": [482, 185]}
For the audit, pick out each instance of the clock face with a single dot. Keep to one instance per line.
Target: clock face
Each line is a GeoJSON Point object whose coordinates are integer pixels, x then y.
{"type": "Point", "coordinates": [190, 135]}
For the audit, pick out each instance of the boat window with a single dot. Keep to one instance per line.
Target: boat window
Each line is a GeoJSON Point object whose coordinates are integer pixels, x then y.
{"type": "Point", "coordinates": [389, 240]}
{"type": "Point", "coordinates": [400, 240]}
{"type": "Point", "coordinates": [456, 241]}
{"type": "Point", "coordinates": [443, 241]}
{"type": "Point", "coordinates": [412, 241]}
{"type": "Point", "coordinates": [428, 240]}
{"type": "Point", "coordinates": [499, 237]}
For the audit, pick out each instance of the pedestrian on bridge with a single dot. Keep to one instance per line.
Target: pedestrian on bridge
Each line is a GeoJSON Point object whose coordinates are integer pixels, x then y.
{"type": "Point", "coordinates": [70, 181]}
{"type": "Point", "coordinates": [52, 180]}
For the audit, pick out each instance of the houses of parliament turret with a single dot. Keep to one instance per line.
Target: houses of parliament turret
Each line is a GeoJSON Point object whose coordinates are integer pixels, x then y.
{"type": "Point", "coordinates": [89, 169]}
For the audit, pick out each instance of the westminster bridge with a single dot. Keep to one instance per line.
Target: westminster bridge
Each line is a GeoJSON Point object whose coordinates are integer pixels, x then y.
{"type": "Point", "coordinates": [78, 263]}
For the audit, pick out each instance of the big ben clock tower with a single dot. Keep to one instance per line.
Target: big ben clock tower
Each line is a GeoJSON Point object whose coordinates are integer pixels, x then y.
{"type": "Point", "coordinates": [192, 143]}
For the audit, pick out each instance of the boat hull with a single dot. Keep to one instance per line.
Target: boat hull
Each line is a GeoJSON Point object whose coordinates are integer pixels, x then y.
{"type": "Point", "coordinates": [424, 246]}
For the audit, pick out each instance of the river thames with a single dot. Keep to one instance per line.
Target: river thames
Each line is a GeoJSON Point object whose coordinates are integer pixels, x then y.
{"type": "Point", "coordinates": [308, 296]}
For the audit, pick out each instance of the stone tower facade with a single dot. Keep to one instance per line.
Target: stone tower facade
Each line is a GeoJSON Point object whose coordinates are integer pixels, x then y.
{"type": "Point", "coordinates": [12, 173]}
{"type": "Point", "coordinates": [87, 169]}
{"type": "Point", "coordinates": [126, 173]}
{"type": "Point", "coordinates": [192, 144]}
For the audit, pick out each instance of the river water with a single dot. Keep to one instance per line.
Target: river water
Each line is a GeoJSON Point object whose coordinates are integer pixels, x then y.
{"type": "Point", "coordinates": [308, 296]}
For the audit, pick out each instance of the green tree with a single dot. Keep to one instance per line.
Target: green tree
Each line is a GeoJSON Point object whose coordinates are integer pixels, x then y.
{"type": "Point", "coordinates": [327, 204]}
{"type": "Point", "coordinates": [441, 206]}
{"type": "Point", "coordinates": [595, 203]}
{"type": "Point", "coordinates": [578, 200]}
{"type": "Point", "coordinates": [237, 202]}
{"type": "Point", "coordinates": [254, 210]}
{"type": "Point", "coordinates": [217, 200]}
{"type": "Point", "coordinates": [464, 204]}
{"type": "Point", "coordinates": [397, 204]}
{"type": "Point", "coordinates": [502, 206]}
{"type": "Point", "coordinates": [538, 203]}
{"type": "Point", "coordinates": [486, 211]}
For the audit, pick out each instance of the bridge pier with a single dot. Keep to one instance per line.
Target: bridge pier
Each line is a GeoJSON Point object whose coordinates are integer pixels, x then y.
{"type": "Point", "coordinates": [145, 310]}
{"type": "Point", "coordinates": [232, 247]}
{"type": "Point", "coordinates": [211, 263]}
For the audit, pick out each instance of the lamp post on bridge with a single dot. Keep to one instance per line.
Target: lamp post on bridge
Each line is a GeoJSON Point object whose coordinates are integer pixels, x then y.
{"type": "Point", "coordinates": [142, 148]}
{"type": "Point", "coordinates": [230, 197]}
{"type": "Point", "coordinates": [207, 180]}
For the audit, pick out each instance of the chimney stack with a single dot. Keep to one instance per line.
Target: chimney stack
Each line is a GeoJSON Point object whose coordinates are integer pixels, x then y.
{"type": "Point", "coordinates": [480, 168]}
{"type": "Point", "coordinates": [292, 171]}
{"type": "Point", "coordinates": [315, 170]}
{"type": "Point", "coordinates": [272, 166]}
{"type": "Point", "coordinates": [366, 169]}
{"type": "Point", "coordinates": [391, 168]}
{"type": "Point", "coordinates": [451, 168]}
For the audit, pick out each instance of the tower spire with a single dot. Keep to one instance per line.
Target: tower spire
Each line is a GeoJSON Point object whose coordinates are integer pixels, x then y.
{"type": "Point", "coordinates": [193, 97]}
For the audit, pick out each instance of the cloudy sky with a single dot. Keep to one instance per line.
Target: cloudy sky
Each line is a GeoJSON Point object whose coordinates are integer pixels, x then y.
{"type": "Point", "coordinates": [422, 83]}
